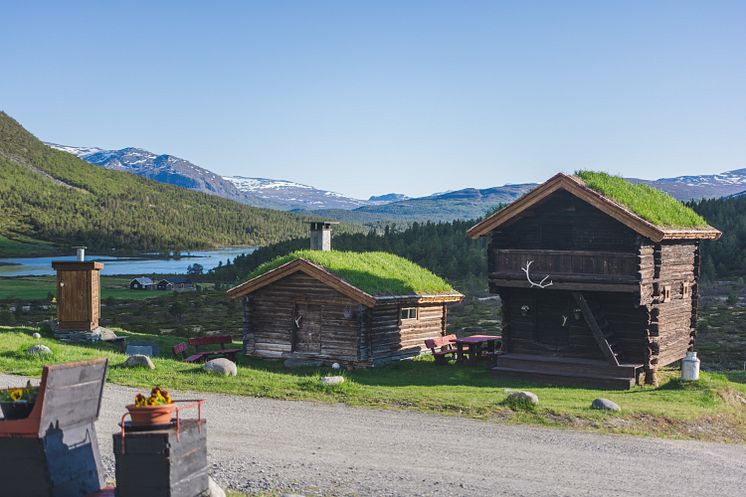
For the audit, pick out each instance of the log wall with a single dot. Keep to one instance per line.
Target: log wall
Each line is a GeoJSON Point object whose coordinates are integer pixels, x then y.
{"type": "Point", "coordinates": [564, 222]}
{"type": "Point", "coordinates": [392, 339]}
{"type": "Point", "coordinates": [271, 313]}
{"type": "Point", "coordinates": [669, 289]}
{"type": "Point", "coordinates": [540, 330]}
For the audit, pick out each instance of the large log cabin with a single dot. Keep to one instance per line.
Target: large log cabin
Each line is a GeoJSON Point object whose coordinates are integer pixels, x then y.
{"type": "Point", "coordinates": [597, 278]}
{"type": "Point", "coordinates": [361, 309]}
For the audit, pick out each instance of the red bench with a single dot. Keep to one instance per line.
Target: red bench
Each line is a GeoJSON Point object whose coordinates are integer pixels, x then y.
{"type": "Point", "coordinates": [180, 349]}
{"type": "Point", "coordinates": [442, 348]}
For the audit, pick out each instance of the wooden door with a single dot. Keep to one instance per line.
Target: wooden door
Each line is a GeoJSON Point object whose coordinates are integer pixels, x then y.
{"type": "Point", "coordinates": [307, 328]}
{"type": "Point", "coordinates": [73, 294]}
{"type": "Point", "coordinates": [553, 319]}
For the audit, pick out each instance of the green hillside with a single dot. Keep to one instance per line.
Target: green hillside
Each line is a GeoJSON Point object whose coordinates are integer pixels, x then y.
{"type": "Point", "coordinates": [51, 196]}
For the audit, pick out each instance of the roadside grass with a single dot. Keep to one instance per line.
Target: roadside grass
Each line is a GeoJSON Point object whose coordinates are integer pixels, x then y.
{"type": "Point", "coordinates": [39, 287]}
{"type": "Point", "coordinates": [712, 409]}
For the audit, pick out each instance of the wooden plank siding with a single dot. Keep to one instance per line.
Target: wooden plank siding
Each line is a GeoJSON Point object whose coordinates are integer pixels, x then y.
{"type": "Point", "coordinates": [393, 339]}
{"type": "Point", "coordinates": [349, 332]}
{"type": "Point", "coordinates": [272, 312]}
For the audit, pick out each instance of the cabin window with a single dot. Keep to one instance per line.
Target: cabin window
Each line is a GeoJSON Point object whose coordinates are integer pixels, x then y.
{"type": "Point", "coordinates": [666, 293]}
{"type": "Point", "coordinates": [408, 313]}
{"type": "Point", "coordinates": [686, 290]}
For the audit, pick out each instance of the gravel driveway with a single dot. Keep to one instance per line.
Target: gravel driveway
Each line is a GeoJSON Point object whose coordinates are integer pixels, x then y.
{"type": "Point", "coordinates": [260, 444]}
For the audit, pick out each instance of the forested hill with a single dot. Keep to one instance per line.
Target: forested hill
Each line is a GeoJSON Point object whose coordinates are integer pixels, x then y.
{"type": "Point", "coordinates": [724, 258]}
{"type": "Point", "coordinates": [49, 195]}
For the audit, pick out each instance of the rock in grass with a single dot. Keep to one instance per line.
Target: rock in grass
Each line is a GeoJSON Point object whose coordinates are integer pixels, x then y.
{"type": "Point", "coordinates": [523, 397]}
{"type": "Point", "coordinates": [139, 361]}
{"type": "Point", "coordinates": [332, 380]}
{"type": "Point", "coordinates": [39, 350]}
{"type": "Point", "coordinates": [214, 489]}
{"type": "Point", "coordinates": [221, 366]}
{"type": "Point", "coordinates": [605, 404]}
{"type": "Point", "coordinates": [36, 335]}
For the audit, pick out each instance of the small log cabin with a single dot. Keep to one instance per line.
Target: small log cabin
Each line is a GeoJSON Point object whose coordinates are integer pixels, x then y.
{"type": "Point", "coordinates": [598, 280]}
{"type": "Point", "coordinates": [361, 309]}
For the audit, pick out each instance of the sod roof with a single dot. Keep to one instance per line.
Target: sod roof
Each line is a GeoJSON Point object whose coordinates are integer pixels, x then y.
{"type": "Point", "coordinates": [378, 274]}
{"type": "Point", "coordinates": [648, 211]}
{"type": "Point", "coordinates": [649, 203]}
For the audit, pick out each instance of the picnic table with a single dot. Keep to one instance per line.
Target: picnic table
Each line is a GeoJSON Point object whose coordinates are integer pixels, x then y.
{"type": "Point", "coordinates": [474, 347]}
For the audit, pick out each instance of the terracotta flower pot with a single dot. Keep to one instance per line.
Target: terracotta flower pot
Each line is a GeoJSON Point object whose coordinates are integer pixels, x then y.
{"type": "Point", "coordinates": [150, 415]}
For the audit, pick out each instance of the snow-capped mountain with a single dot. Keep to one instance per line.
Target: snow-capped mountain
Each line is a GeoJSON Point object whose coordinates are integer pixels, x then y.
{"type": "Point", "coordinates": [294, 195]}
{"type": "Point", "coordinates": [702, 186]}
{"type": "Point", "coordinates": [259, 192]}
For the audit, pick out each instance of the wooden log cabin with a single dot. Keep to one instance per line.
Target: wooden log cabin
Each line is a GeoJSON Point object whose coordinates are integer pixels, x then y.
{"type": "Point", "coordinates": [361, 309]}
{"type": "Point", "coordinates": [598, 279]}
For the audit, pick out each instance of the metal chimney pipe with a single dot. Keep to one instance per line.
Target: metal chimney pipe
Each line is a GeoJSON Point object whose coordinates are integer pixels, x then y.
{"type": "Point", "coordinates": [80, 251]}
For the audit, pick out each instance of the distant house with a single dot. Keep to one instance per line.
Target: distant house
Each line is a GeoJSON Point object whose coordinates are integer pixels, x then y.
{"type": "Point", "coordinates": [175, 284]}
{"type": "Point", "coordinates": [142, 283]}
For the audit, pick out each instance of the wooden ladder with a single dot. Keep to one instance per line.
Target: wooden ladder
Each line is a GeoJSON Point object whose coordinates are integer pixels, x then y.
{"type": "Point", "coordinates": [598, 333]}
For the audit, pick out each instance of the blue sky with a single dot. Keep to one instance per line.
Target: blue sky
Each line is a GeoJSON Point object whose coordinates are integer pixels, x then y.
{"type": "Point", "coordinates": [372, 97]}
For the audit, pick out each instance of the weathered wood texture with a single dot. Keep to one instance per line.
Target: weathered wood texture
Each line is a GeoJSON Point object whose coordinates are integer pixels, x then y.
{"type": "Point", "coordinates": [392, 338]}
{"type": "Point", "coordinates": [55, 451]}
{"type": "Point", "coordinates": [299, 316]}
{"type": "Point", "coordinates": [278, 321]}
{"type": "Point", "coordinates": [78, 296]}
{"type": "Point", "coordinates": [640, 291]}
{"type": "Point", "coordinates": [539, 329]}
{"type": "Point", "coordinates": [158, 464]}
{"type": "Point", "coordinates": [669, 289]}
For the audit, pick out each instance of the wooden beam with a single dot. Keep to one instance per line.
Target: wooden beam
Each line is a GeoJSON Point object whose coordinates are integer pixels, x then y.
{"type": "Point", "coordinates": [590, 319]}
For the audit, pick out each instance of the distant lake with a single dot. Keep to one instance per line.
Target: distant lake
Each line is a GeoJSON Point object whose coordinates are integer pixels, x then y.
{"type": "Point", "coordinates": [144, 265]}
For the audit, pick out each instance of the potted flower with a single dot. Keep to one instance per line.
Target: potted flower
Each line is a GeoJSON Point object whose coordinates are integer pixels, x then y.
{"type": "Point", "coordinates": [153, 410]}
{"type": "Point", "coordinates": [17, 403]}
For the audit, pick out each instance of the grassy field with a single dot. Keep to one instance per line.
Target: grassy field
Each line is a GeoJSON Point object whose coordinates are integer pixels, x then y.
{"type": "Point", "coordinates": [24, 247]}
{"type": "Point", "coordinates": [712, 409]}
{"type": "Point", "coordinates": [39, 287]}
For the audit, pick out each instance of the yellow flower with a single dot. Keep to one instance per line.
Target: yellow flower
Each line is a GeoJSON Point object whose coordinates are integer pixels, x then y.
{"type": "Point", "coordinates": [16, 394]}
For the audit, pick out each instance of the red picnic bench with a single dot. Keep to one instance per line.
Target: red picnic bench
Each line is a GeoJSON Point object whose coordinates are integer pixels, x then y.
{"type": "Point", "coordinates": [442, 348]}
{"type": "Point", "coordinates": [180, 349]}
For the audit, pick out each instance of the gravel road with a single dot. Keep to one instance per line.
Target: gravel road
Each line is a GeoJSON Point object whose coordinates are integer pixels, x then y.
{"type": "Point", "coordinates": [261, 444]}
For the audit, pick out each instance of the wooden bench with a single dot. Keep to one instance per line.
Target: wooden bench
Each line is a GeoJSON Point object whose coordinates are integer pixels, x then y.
{"type": "Point", "coordinates": [442, 348]}
{"type": "Point", "coordinates": [181, 349]}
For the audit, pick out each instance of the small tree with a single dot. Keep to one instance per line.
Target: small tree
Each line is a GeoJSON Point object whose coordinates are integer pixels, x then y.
{"type": "Point", "coordinates": [195, 269]}
{"type": "Point", "coordinates": [177, 310]}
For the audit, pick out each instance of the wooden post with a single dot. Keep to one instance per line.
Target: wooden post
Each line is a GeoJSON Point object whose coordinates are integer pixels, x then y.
{"type": "Point", "coordinates": [651, 376]}
{"type": "Point", "coordinates": [248, 337]}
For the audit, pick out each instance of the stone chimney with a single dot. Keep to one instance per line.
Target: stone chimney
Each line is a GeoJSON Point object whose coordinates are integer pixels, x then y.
{"type": "Point", "coordinates": [321, 235]}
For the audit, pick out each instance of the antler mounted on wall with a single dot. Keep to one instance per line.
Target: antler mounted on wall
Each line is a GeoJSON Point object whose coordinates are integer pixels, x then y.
{"type": "Point", "coordinates": [540, 284]}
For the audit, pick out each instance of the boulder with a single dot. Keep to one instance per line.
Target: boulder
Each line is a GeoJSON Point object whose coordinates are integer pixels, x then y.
{"type": "Point", "coordinates": [221, 366]}
{"type": "Point", "coordinates": [332, 380]}
{"type": "Point", "coordinates": [39, 350]}
{"type": "Point", "coordinates": [36, 335]}
{"type": "Point", "coordinates": [139, 361]}
{"type": "Point", "coordinates": [605, 404]}
{"type": "Point", "coordinates": [524, 396]}
{"type": "Point", "coordinates": [302, 363]}
{"type": "Point", "coordinates": [214, 489]}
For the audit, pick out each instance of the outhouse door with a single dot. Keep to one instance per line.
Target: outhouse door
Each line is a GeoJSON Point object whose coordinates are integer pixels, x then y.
{"type": "Point", "coordinates": [307, 328]}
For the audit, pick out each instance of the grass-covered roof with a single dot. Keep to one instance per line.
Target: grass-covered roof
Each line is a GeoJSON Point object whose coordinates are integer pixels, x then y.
{"type": "Point", "coordinates": [651, 204]}
{"type": "Point", "coordinates": [375, 273]}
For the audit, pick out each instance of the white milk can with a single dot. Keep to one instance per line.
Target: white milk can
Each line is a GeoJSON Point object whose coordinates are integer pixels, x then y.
{"type": "Point", "coordinates": [690, 367]}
